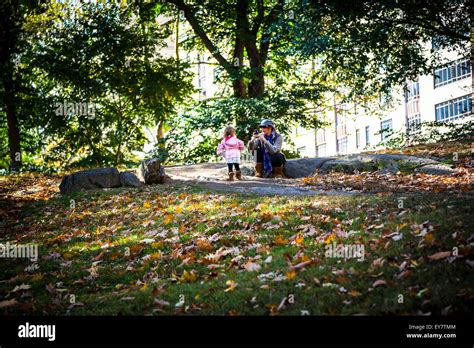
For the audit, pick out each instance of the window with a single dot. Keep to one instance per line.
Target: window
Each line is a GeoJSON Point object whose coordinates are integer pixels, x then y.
{"type": "Point", "coordinates": [413, 90]}
{"type": "Point", "coordinates": [367, 136]}
{"type": "Point", "coordinates": [320, 136]}
{"type": "Point", "coordinates": [320, 143]}
{"type": "Point", "coordinates": [321, 150]}
{"type": "Point", "coordinates": [453, 109]}
{"type": "Point", "coordinates": [301, 150]}
{"type": "Point", "coordinates": [341, 120]}
{"type": "Point", "coordinates": [342, 145]}
{"type": "Point", "coordinates": [413, 107]}
{"type": "Point", "coordinates": [451, 72]}
{"type": "Point", "coordinates": [414, 124]}
{"type": "Point", "coordinates": [357, 138]}
{"type": "Point", "coordinates": [386, 128]}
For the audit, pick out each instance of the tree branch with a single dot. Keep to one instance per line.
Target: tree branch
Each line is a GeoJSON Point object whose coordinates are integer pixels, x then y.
{"type": "Point", "coordinates": [199, 31]}
{"type": "Point", "coordinates": [265, 39]}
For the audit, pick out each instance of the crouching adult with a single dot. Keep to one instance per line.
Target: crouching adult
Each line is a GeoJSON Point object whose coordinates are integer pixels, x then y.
{"type": "Point", "coordinates": [266, 147]}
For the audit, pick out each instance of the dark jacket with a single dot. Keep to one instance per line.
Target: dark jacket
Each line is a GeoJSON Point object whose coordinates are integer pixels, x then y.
{"type": "Point", "coordinates": [275, 148]}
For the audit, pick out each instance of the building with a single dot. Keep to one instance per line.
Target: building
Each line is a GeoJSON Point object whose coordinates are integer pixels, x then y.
{"type": "Point", "coordinates": [445, 95]}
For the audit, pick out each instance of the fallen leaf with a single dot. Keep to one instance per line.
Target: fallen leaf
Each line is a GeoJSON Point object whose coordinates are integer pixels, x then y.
{"type": "Point", "coordinates": [8, 303]}
{"type": "Point", "coordinates": [252, 266]}
{"type": "Point", "coordinates": [279, 240]}
{"type": "Point", "coordinates": [290, 275]}
{"type": "Point", "coordinates": [167, 219]}
{"type": "Point", "coordinates": [188, 277]}
{"type": "Point", "coordinates": [161, 303]}
{"type": "Point", "coordinates": [21, 287]}
{"type": "Point", "coordinates": [379, 282]}
{"type": "Point", "coordinates": [301, 265]}
{"type": "Point", "coordinates": [440, 255]}
{"type": "Point", "coordinates": [231, 285]}
{"type": "Point", "coordinates": [354, 293]}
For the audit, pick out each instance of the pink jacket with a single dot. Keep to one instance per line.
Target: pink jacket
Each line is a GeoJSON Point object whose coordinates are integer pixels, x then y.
{"type": "Point", "coordinates": [231, 147]}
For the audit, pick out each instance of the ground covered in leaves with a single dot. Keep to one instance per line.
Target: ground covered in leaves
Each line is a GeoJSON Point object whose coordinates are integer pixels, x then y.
{"type": "Point", "coordinates": [182, 249]}
{"type": "Point", "coordinates": [458, 154]}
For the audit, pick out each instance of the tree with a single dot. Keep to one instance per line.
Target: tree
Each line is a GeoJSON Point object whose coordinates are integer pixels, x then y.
{"type": "Point", "coordinates": [13, 38]}
{"type": "Point", "coordinates": [91, 108]}
{"type": "Point", "coordinates": [372, 46]}
{"type": "Point", "coordinates": [232, 30]}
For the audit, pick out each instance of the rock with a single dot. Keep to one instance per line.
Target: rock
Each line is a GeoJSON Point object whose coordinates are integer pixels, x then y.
{"type": "Point", "coordinates": [302, 167]}
{"type": "Point", "coordinates": [90, 179]}
{"type": "Point", "coordinates": [151, 172]}
{"type": "Point", "coordinates": [348, 166]}
{"type": "Point", "coordinates": [436, 169]}
{"type": "Point", "coordinates": [382, 163]}
{"type": "Point", "coordinates": [129, 179]}
{"type": "Point", "coordinates": [247, 170]}
{"type": "Point", "coordinates": [399, 158]}
{"type": "Point", "coordinates": [390, 168]}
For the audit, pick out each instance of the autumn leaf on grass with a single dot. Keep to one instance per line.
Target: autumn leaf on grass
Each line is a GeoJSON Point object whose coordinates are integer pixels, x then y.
{"type": "Point", "coordinates": [440, 255]}
{"type": "Point", "coordinates": [8, 303]}
{"type": "Point", "coordinates": [378, 283]}
{"type": "Point", "coordinates": [231, 285]}
{"type": "Point", "coordinates": [167, 219]}
{"type": "Point", "coordinates": [188, 277]}
{"type": "Point", "coordinates": [155, 256]}
{"type": "Point", "coordinates": [203, 244]}
{"type": "Point", "coordinates": [155, 292]}
{"type": "Point", "coordinates": [37, 277]}
{"type": "Point", "coordinates": [429, 238]}
{"type": "Point", "coordinates": [290, 275]}
{"type": "Point", "coordinates": [354, 293]}
{"type": "Point", "coordinates": [330, 238]}
{"type": "Point", "coordinates": [252, 266]}
{"type": "Point", "coordinates": [279, 240]}
{"type": "Point", "coordinates": [161, 303]}
{"type": "Point", "coordinates": [301, 265]}
{"type": "Point", "coordinates": [21, 287]}
{"type": "Point", "coordinates": [299, 239]}
{"type": "Point", "coordinates": [146, 204]}
{"type": "Point", "coordinates": [380, 262]}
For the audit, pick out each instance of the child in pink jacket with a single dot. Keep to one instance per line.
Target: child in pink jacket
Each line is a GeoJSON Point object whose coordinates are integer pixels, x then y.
{"type": "Point", "coordinates": [231, 147]}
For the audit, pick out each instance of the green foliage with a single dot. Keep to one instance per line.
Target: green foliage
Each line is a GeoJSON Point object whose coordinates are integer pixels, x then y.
{"type": "Point", "coordinates": [430, 132]}
{"type": "Point", "coordinates": [101, 57]}
{"type": "Point", "coordinates": [195, 134]}
{"type": "Point", "coordinates": [368, 47]}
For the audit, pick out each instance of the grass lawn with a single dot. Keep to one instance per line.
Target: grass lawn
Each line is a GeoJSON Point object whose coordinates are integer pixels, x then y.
{"type": "Point", "coordinates": [177, 249]}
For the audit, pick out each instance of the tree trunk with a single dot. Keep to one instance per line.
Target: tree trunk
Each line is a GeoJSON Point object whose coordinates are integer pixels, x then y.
{"type": "Point", "coordinates": [12, 121]}
{"type": "Point", "coordinates": [257, 85]}
{"type": "Point", "coordinates": [159, 132]}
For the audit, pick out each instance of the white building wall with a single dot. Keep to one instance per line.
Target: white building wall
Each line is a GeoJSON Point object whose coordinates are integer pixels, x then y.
{"type": "Point", "coordinates": [429, 96]}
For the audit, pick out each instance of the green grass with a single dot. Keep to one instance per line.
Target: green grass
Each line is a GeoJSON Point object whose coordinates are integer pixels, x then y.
{"type": "Point", "coordinates": [112, 228]}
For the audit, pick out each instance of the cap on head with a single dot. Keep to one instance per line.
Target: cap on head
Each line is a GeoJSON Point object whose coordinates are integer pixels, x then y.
{"type": "Point", "coordinates": [267, 123]}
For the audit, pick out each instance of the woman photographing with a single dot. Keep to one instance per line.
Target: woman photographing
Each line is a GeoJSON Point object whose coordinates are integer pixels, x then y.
{"type": "Point", "coordinates": [267, 150]}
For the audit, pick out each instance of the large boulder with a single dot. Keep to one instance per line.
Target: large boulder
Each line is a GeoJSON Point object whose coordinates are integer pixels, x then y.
{"type": "Point", "coordinates": [348, 166]}
{"type": "Point", "coordinates": [303, 167]}
{"type": "Point", "coordinates": [151, 172]}
{"type": "Point", "coordinates": [382, 163]}
{"type": "Point", "coordinates": [129, 179]}
{"type": "Point", "coordinates": [436, 169]}
{"type": "Point", "coordinates": [90, 179]}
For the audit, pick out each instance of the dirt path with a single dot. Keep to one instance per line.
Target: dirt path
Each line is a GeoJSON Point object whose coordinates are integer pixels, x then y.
{"type": "Point", "coordinates": [212, 175]}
